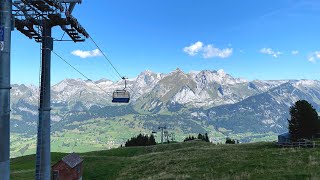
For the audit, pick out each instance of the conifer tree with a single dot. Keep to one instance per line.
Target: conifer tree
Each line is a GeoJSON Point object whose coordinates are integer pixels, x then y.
{"type": "Point", "coordinates": [152, 140]}
{"type": "Point", "coordinates": [304, 120]}
{"type": "Point", "coordinates": [206, 138]}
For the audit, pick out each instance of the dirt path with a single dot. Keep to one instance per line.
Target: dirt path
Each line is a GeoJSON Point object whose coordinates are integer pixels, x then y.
{"type": "Point", "coordinates": [22, 171]}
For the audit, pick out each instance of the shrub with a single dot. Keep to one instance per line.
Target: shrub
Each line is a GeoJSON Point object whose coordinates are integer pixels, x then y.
{"type": "Point", "coordinates": [190, 138]}
{"type": "Point", "coordinates": [230, 141]}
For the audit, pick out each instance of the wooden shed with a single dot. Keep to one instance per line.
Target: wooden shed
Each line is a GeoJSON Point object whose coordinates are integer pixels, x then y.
{"type": "Point", "coordinates": [284, 138]}
{"type": "Point", "coordinates": [68, 168]}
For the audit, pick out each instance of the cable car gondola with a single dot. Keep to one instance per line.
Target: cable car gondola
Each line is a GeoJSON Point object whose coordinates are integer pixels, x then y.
{"type": "Point", "coordinates": [121, 96]}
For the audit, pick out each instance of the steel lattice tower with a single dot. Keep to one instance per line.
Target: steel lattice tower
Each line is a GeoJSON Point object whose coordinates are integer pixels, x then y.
{"type": "Point", "coordinates": [5, 43]}
{"type": "Point", "coordinates": [35, 19]}
{"type": "Point", "coordinates": [162, 128]}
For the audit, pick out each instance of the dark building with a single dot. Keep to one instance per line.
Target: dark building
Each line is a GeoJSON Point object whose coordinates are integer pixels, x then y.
{"type": "Point", "coordinates": [68, 168]}
{"type": "Point", "coordinates": [284, 138]}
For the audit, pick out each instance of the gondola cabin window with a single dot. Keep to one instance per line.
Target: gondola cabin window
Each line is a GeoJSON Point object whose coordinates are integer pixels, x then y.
{"type": "Point", "coordinates": [120, 96]}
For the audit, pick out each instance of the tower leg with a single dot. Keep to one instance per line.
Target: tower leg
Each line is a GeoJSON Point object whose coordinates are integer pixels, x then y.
{"type": "Point", "coordinates": [161, 135]}
{"type": "Point", "coordinates": [5, 43]}
{"type": "Point", "coordinates": [43, 167]}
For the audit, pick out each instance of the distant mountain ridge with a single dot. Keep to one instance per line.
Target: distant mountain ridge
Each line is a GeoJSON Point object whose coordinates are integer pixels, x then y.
{"type": "Point", "coordinates": [197, 101]}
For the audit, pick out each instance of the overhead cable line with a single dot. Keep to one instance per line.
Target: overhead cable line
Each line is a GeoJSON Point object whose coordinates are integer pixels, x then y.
{"type": "Point", "coordinates": [106, 57]}
{"type": "Point", "coordinates": [77, 70]}
{"type": "Point", "coordinates": [110, 70]}
{"type": "Point", "coordinates": [71, 65]}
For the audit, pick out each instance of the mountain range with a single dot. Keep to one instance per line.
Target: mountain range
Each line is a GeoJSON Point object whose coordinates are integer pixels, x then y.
{"type": "Point", "coordinates": [187, 103]}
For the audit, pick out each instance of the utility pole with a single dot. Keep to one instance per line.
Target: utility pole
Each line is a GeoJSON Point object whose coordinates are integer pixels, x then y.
{"type": "Point", "coordinates": [43, 167]}
{"type": "Point", "coordinates": [166, 135]}
{"type": "Point", "coordinates": [35, 19]}
{"type": "Point", "coordinates": [173, 136]}
{"type": "Point", "coordinates": [162, 128]}
{"type": "Point", "coordinates": [5, 45]}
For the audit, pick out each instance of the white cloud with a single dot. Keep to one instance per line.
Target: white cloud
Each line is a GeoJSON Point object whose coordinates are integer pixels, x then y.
{"type": "Point", "coordinates": [207, 51]}
{"type": "Point", "coordinates": [210, 51]}
{"type": "Point", "coordinates": [295, 52]}
{"type": "Point", "coordinates": [193, 49]}
{"type": "Point", "coordinates": [271, 52]}
{"type": "Point", "coordinates": [314, 57]}
{"type": "Point", "coordinates": [87, 54]}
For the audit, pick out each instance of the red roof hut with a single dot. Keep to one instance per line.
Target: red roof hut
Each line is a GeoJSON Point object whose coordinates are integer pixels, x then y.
{"type": "Point", "coordinates": [68, 168]}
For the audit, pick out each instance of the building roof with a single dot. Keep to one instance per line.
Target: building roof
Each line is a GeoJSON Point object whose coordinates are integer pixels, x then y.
{"type": "Point", "coordinates": [287, 135]}
{"type": "Point", "coordinates": [72, 160]}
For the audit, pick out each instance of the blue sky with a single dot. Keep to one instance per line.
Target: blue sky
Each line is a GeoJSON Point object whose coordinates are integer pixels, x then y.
{"type": "Point", "coordinates": [265, 39]}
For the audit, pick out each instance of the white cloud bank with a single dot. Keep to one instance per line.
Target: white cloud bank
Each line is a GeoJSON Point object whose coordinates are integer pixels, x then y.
{"type": "Point", "coordinates": [314, 57]}
{"type": "Point", "coordinates": [193, 49]}
{"type": "Point", "coordinates": [207, 51]}
{"type": "Point", "coordinates": [210, 52]}
{"type": "Point", "coordinates": [295, 52]}
{"type": "Point", "coordinates": [87, 54]}
{"type": "Point", "coordinates": [271, 52]}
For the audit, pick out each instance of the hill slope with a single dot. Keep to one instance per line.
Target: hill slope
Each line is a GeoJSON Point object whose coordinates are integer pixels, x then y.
{"type": "Point", "coordinates": [191, 160]}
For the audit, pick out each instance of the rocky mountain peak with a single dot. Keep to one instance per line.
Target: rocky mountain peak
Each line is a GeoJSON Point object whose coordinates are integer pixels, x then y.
{"type": "Point", "coordinates": [148, 77]}
{"type": "Point", "coordinates": [178, 69]}
{"type": "Point", "coordinates": [220, 77]}
{"type": "Point", "coordinates": [103, 80]}
{"type": "Point", "coordinates": [308, 83]}
{"type": "Point", "coordinates": [221, 73]}
{"type": "Point", "coordinates": [147, 72]}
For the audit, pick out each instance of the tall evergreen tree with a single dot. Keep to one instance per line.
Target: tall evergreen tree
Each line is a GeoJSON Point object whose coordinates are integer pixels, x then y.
{"type": "Point", "coordinates": [304, 120]}
{"type": "Point", "coordinates": [206, 138]}
{"type": "Point", "coordinates": [152, 140]}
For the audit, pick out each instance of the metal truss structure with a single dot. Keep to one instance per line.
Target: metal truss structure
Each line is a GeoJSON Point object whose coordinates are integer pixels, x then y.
{"type": "Point", "coordinates": [35, 19]}
{"type": "Point", "coordinates": [30, 16]}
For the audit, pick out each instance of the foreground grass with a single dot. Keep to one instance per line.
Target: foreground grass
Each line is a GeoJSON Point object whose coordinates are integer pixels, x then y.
{"type": "Point", "coordinates": [191, 160]}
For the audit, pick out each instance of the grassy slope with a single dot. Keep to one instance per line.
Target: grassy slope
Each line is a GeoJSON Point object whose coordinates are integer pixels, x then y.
{"type": "Point", "coordinates": [191, 160]}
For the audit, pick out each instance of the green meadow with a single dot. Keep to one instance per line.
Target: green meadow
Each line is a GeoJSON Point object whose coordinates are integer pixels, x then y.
{"type": "Point", "coordinates": [190, 160]}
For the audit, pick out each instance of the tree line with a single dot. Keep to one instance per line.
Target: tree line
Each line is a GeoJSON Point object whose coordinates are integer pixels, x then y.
{"type": "Point", "coordinates": [141, 140]}
{"type": "Point", "coordinates": [200, 136]}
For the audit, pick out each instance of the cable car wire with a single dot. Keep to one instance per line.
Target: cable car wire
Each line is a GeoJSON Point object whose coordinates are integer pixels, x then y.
{"type": "Point", "coordinates": [110, 72]}
{"type": "Point", "coordinates": [110, 69]}
{"type": "Point", "coordinates": [82, 74]}
{"type": "Point", "coordinates": [106, 57]}
{"type": "Point", "coordinates": [71, 65]}
{"type": "Point", "coordinates": [86, 77]}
